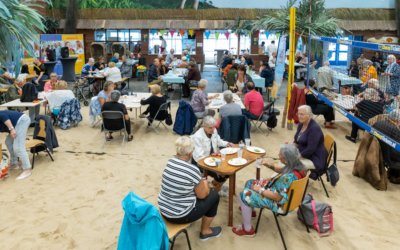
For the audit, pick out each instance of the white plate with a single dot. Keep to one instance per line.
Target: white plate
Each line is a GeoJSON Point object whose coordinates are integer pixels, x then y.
{"type": "Point", "coordinates": [211, 161]}
{"type": "Point", "coordinates": [256, 150]}
{"type": "Point", "coordinates": [229, 151]}
{"type": "Point", "coordinates": [237, 161]}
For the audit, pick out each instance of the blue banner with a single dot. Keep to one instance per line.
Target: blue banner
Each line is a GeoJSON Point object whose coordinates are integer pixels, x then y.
{"type": "Point", "coordinates": [280, 60]}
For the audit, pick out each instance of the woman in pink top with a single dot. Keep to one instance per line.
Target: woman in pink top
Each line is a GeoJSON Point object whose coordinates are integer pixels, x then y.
{"type": "Point", "coordinates": [49, 85]}
{"type": "Point", "coordinates": [254, 102]}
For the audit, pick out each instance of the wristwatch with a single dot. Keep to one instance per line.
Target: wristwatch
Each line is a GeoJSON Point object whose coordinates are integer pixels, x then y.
{"type": "Point", "coordinates": [10, 128]}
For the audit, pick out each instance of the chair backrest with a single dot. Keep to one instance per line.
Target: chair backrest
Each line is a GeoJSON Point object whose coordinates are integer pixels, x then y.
{"type": "Point", "coordinates": [112, 115]}
{"type": "Point", "coordinates": [296, 194]}
{"type": "Point", "coordinates": [164, 107]}
{"type": "Point", "coordinates": [42, 129]}
{"type": "Point", "coordinates": [236, 131]}
{"type": "Point", "coordinates": [330, 147]}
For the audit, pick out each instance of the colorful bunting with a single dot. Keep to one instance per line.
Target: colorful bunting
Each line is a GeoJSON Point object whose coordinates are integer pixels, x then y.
{"type": "Point", "coordinates": [191, 32]}
{"type": "Point", "coordinates": [163, 32]}
{"type": "Point", "coordinates": [227, 34]}
{"type": "Point", "coordinates": [153, 31]}
{"type": "Point", "coordinates": [182, 32]}
{"type": "Point", "coordinates": [172, 32]}
{"type": "Point", "coordinates": [278, 34]}
{"type": "Point", "coordinates": [267, 34]}
{"type": "Point", "coordinates": [207, 34]}
{"type": "Point", "coordinates": [216, 35]}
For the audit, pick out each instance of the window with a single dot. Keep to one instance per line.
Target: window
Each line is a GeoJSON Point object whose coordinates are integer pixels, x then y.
{"type": "Point", "coordinates": [338, 53]}
{"type": "Point", "coordinates": [113, 35]}
{"type": "Point", "coordinates": [176, 42]}
{"type": "Point", "coordinates": [100, 35]}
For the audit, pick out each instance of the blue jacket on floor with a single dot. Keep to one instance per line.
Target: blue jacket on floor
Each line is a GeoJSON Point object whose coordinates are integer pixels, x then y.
{"type": "Point", "coordinates": [142, 227]}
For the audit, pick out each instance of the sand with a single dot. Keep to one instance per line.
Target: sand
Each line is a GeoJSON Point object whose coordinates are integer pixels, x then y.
{"type": "Point", "coordinates": [75, 202]}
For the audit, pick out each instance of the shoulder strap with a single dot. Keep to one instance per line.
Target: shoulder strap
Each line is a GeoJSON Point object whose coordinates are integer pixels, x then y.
{"type": "Point", "coordinates": [315, 219]}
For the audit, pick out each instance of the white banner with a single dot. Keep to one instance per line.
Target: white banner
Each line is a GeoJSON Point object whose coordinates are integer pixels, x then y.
{"type": "Point", "coordinates": [280, 60]}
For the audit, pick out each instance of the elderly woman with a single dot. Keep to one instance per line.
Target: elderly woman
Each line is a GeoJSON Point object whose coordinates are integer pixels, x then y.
{"type": "Point", "coordinates": [369, 107]}
{"type": "Point", "coordinates": [309, 139]}
{"type": "Point", "coordinates": [97, 102]}
{"type": "Point", "coordinates": [241, 79]}
{"type": "Point", "coordinates": [270, 193]}
{"type": "Point", "coordinates": [207, 142]}
{"type": "Point", "coordinates": [374, 84]}
{"type": "Point", "coordinates": [200, 100]}
{"type": "Point", "coordinates": [49, 85]}
{"type": "Point", "coordinates": [319, 107]}
{"type": "Point", "coordinates": [369, 71]}
{"type": "Point", "coordinates": [112, 73]}
{"type": "Point", "coordinates": [154, 101]}
{"type": "Point", "coordinates": [230, 108]}
{"type": "Point", "coordinates": [114, 105]}
{"type": "Point", "coordinates": [393, 72]}
{"type": "Point", "coordinates": [60, 95]}
{"type": "Point", "coordinates": [184, 196]}
{"type": "Point", "coordinates": [16, 124]}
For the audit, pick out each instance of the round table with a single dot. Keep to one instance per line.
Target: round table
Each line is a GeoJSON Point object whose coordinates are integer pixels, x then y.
{"type": "Point", "coordinates": [68, 65]}
{"type": "Point", "coordinates": [49, 66]}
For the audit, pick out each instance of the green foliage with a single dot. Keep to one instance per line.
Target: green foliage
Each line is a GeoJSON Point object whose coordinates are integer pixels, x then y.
{"type": "Point", "coordinates": [19, 27]}
{"type": "Point", "coordinates": [321, 21]}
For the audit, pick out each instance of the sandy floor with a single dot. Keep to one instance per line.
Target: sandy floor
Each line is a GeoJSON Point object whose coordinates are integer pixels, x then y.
{"type": "Point", "coordinates": [75, 202]}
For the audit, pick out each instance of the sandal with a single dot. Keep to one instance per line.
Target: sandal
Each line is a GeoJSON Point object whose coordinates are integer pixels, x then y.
{"type": "Point", "coordinates": [240, 231]}
{"type": "Point", "coordinates": [109, 137]}
{"type": "Point", "coordinates": [130, 137]}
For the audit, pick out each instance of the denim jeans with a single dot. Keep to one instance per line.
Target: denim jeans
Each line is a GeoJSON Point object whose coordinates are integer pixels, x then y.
{"type": "Point", "coordinates": [16, 146]}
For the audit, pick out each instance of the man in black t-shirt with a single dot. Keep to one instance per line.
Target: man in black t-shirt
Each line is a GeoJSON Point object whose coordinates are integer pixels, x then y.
{"type": "Point", "coordinates": [40, 71]}
{"type": "Point", "coordinates": [114, 105]}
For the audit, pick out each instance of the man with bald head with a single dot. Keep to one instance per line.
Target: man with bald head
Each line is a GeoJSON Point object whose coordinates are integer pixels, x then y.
{"type": "Point", "coordinates": [88, 68]}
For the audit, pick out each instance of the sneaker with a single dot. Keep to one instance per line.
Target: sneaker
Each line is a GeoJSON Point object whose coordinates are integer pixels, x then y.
{"type": "Point", "coordinates": [239, 231]}
{"type": "Point", "coordinates": [25, 174]}
{"type": "Point", "coordinates": [142, 116]}
{"type": "Point", "coordinates": [353, 140]}
{"type": "Point", "coordinates": [216, 232]}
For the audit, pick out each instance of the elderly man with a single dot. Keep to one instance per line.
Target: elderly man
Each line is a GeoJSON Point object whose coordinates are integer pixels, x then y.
{"type": "Point", "coordinates": [126, 70]}
{"type": "Point", "coordinates": [170, 57]}
{"type": "Point", "coordinates": [324, 77]}
{"type": "Point", "coordinates": [230, 108]}
{"type": "Point", "coordinates": [393, 73]}
{"type": "Point", "coordinates": [207, 142]}
{"type": "Point", "coordinates": [192, 76]}
{"type": "Point", "coordinates": [40, 71]}
{"type": "Point", "coordinates": [249, 61]}
{"type": "Point", "coordinates": [253, 102]}
{"type": "Point", "coordinates": [391, 127]}
{"type": "Point", "coordinates": [131, 60]}
{"type": "Point", "coordinates": [88, 68]}
{"type": "Point", "coordinates": [154, 75]}
{"type": "Point", "coordinates": [114, 105]}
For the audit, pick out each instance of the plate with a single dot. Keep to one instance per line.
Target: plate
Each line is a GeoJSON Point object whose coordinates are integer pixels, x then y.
{"type": "Point", "coordinates": [237, 161]}
{"type": "Point", "coordinates": [211, 161]}
{"type": "Point", "coordinates": [256, 150]}
{"type": "Point", "coordinates": [229, 151]}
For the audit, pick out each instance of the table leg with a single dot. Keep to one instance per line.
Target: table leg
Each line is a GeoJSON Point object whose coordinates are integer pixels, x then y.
{"type": "Point", "coordinates": [234, 184]}
{"type": "Point", "coordinates": [230, 199]}
{"type": "Point", "coordinates": [257, 173]}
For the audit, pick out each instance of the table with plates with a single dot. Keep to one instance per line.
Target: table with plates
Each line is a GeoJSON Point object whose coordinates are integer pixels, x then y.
{"type": "Point", "coordinates": [259, 82]}
{"type": "Point", "coordinates": [132, 101]}
{"type": "Point", "coordinates": [339, 80]}
{"type": "Point", "coordinates": [219, 101]}
{"type": "Point", "coordinates": [228, 169]}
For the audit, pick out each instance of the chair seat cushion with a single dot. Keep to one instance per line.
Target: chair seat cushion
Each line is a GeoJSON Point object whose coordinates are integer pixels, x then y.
{"type": "Point", "coordinates": [34, 143]}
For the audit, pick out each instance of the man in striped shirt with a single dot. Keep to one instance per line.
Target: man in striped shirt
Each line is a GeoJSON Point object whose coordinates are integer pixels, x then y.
{"type": "Point", "coordinates": [184, 196]}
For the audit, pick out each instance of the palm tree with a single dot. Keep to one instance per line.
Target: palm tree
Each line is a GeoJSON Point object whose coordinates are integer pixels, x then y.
{"type": "Point", "coordinates": [183, 4]}
{"type": "Point", "coordinates": [71, 17]}
{"type": "Point", "coordinates": [311, 17]}
{"type": "Point", "coordinates": [20, 25]}
{"type": "Point", "coordinates": [196, 4]}
{"type": "Point", "coordinates": [240, 27]}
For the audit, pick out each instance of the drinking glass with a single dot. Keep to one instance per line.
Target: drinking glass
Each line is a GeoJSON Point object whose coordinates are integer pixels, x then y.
{"type": "Point", "coordinates": [247, 142]}
{"type": "Point", "coordinates": [223, 156]}
{"type": "Point", "coordinates": [240, 153]}
{"type": "Point", "coordinates": [259, 162]}
{"type": "Point", "coordinates": [217, 162]}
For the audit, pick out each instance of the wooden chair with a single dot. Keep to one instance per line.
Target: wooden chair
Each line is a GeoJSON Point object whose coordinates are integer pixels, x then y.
{"type": "Point", "coordinates": [330, 146]}
{"type": "Point", "coordinates": [296, 194]}
{"type": "Point", "coordinates": [38, 145]}
{"type": "Point", "coordinates": [174, 230]}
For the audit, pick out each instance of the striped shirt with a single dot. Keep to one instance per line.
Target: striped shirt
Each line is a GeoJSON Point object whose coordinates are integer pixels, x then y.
{"type": "Point", "coordinates": [177, 197]}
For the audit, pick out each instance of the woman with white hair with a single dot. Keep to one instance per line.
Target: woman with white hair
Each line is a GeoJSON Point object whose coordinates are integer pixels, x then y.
{"type": "Point", "coordinates": [200, 100]}
{"type": "Point", "coordinates": [207, 142]}
{"type": "Point", "coordinates": [270, 193]}
{"type": "Point", "coordinates": [309, 139]}
{"type": "Point", "coordinates": [114, 105]}
{"type": "Point", "coordinates": [369, 107]}
{"type": "Point", "coordinates": [185, 196]}
{"type": "Point", "coordinates": [230, 108]}
{"type": "Point", "coordinates": [112, 73]}
{"type": "Point", "coordinates": [393, 72]}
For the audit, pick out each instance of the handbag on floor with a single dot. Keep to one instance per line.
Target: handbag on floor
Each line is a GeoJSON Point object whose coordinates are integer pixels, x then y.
{"type": "Point", "coordinates": [317, 215]}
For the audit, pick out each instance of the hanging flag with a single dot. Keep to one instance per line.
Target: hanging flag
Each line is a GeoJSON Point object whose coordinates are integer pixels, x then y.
{"type": "Point", "coordinates": [227, 34]}
{"type": "Point", "coordinates": [267, 34]}
{"type": "Point", "coordinates": [172, 32]}
{"type": "Point", "coordinates": [182, 32]}
{"type": "Point", "coordinates": [163, 32]}
{"type": "Point", "coordinates": [216, 35]}
{"type": "Point", "coordinates": [207, 34]}
{"type": "Point", "coordinates": [153, 31]}
{"type": "Point", "coordinates": [280, 63]}
{"type": "Point", "coordinates": [191, 32]}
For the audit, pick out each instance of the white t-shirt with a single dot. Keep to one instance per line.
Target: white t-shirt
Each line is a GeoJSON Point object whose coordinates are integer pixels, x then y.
{"type": "Point", "coordinates": [271, 48]}
{"type": "Point", "coordinates": [57, 97]}
{"type": "Point", "coordinates": [112, 74]}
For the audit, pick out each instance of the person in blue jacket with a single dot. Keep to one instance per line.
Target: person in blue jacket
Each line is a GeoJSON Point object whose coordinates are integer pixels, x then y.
{"type": "Point", "coordinates": [142, 227]}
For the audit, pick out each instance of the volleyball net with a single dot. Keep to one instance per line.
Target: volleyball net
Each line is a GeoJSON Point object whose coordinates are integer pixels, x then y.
{"type": "Point", "coordinates": [360, 80]}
